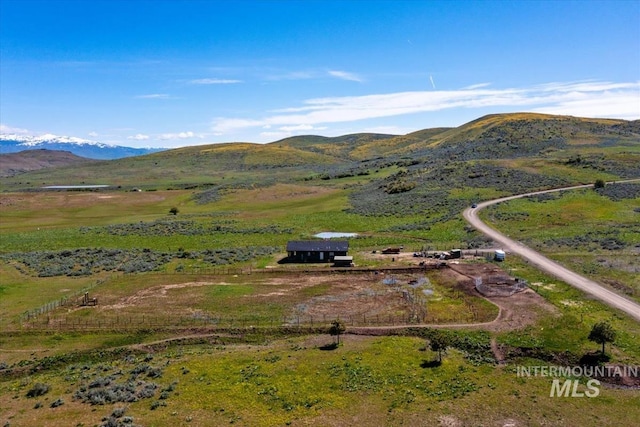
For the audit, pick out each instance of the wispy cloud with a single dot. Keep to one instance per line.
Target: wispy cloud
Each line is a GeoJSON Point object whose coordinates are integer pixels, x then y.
{"type": "Point", "coordinates": [179, 135]}
{"type": "Point", "coordinates": [298, 128]}
{"type": "Point", "coordinates": [345, 75]}
{"type": "Point", "coordinates": [287, 131]}
{"type": "Point", "coordinates": [154, 96]}
{"type": "Point", "coordinates": [214, 81]}
{"type": "Point", "coordinates": [477, 86]}
{"type": "Point", "coordinates": [584, 98]}
{"type": "Point", "coordinates": [139, 137]}
{"type": "Point", "coordinates": [223, 125]}
{"type": "Point", "coordinates": [293, 75]}
{"type": "Point", "coordinates": [315, 74]}
{"type": "Point", "coordinates": [10, 129]}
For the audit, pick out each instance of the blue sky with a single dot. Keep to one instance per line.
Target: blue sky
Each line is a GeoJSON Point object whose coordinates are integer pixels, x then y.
{"type": "Point", "coordinates": [167, 73]}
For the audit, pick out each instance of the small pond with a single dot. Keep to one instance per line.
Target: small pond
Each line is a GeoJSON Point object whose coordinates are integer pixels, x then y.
{"type": "Point", "coordinates": [334, 235]}
{"type": "Point", "coordinates": [74, 187]}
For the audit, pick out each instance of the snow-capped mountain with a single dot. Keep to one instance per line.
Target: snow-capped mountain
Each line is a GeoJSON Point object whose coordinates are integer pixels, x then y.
{"type": "Point", "coordinates": [13, 143]}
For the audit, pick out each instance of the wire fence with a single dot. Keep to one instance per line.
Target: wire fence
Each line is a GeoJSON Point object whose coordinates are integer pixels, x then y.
{"type": "Point", "coordinates": [46, 317]}
{"type": "Point", "coordinates": [150, 322]}
{"type": "Point", "coordinates": [68, 300]}
{"type": "Point", "coordinates": [499, 286]}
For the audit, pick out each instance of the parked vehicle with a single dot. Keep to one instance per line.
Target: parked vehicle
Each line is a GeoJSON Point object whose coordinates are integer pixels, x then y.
{"type": "Point", "coordinates": [391, 251]}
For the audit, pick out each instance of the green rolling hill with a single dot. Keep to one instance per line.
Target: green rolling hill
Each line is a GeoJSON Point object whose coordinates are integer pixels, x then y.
{"type": "Point", "coordinates": [609, 146]}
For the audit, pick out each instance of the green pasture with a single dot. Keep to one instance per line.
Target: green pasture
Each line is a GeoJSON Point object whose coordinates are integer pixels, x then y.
{"type": "Point", "coordinates": [576, 313]}
{"type": "Point", "coordinates": [33, 212]}
{"type": "Point", "coordinates": [82, 225]}
{"type": "Point", "coordinates": [20, 293]}
{"type": "Point", "coordinates": [568, 213]}
{"type": "Point", "coordinates": [365, 381]}
{"type": "Point", "coordinates": [592, 233]}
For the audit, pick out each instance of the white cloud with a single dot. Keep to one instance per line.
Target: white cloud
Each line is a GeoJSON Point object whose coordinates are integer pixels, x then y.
{"type": "Point", "coordinates": [275, 135]}
{"type": "Point", "coordinates": [302, 127]}
{"type": "Point", "coordinates": [179, 135]}
{"type": "Point", "coordinates": [344, 75]}
{"type": "Point", "coordinates": [477, 86]}
{"type": "Point", "coordinates": [223, 125]}
{"type": "Point", "coordinates": [139, 137]}
{"type": "Point", "coordinates": [293, 75]}
{"type": "Point", "coordinates": [315, 74]}
{"type": "Point", "coordinates": [287, 131]}
{"type": "Point", "coordinates": [586, 98]}
{"type": "Point", "coordinates": [214, 81]}
{"type": "Point", "coordinates": [153, 96]}
{"type": "Point", "coordinates": [93, 134]}
{"type": "Point", "coordinates": [390, 130]}
{"type": "Point", "coordinates": [9, 129]}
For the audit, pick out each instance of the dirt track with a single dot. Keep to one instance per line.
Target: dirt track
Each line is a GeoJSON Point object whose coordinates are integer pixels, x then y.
{"type": "Point", "coordinates": [545, 264]}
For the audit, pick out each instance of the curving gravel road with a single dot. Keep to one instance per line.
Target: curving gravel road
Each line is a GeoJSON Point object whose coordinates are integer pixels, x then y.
{"type": "Point", "coordinates": [545, 264]}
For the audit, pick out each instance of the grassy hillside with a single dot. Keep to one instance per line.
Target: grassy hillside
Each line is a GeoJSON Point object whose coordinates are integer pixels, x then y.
{"type": "Point", "coordinates": [609, 147]}
{"type": "Point", "coordinates": [343, 147]}
{"type": "Point", "coordinates": [31, 160]}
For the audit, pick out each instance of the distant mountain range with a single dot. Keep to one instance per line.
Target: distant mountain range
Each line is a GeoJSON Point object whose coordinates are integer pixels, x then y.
{"type": "Point", "coordinates": [13, 143]}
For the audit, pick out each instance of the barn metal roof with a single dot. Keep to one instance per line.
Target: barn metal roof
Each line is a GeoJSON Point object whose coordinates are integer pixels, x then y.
{"type": "Point", "coordinates": [318, 245]}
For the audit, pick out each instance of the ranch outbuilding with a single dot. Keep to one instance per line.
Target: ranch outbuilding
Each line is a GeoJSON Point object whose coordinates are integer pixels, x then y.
{"type": "Point", "coordinates": [316, 250]}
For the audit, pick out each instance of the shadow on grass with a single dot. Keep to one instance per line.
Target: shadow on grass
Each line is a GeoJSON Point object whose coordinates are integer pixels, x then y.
{"type": "Point", "coordinates": [329, 347]}
{"type": "Point", "coordinates": [430, 363]}
{"type": "Point", "coordinates": [594, 359]}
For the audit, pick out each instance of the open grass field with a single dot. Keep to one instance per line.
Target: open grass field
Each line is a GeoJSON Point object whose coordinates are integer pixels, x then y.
{"type": "Point", "coordinates": [264, 378]}
{"type": "Point", "coordinates": [595, 232]}
{"type": "Point", "coordinates": [366, 381]}
{"type": "Point", "coordinates": [197, 323]}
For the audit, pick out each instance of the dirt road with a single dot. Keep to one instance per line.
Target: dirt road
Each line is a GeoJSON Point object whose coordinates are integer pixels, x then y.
{"type": "Point", "coordinates": [545, 264]}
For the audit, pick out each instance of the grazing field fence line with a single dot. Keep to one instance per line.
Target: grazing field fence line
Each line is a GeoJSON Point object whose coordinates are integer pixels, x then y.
{"type": "Point", "coordinates": [67, 300]}
{"type": "Point", "coordinates": [160, 322]}
{"type": "Point", "coordinates": [498, 286]}
{"type": "Point", "coordinates": [418, 315]}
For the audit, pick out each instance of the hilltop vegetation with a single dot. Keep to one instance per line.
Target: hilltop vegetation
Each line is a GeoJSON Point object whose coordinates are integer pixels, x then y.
{"type": "Point", "coordinates": [607, 147]}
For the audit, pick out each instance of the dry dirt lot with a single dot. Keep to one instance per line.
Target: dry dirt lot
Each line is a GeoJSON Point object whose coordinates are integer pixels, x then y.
{"type": "Point", "coordinates": [359, 298]}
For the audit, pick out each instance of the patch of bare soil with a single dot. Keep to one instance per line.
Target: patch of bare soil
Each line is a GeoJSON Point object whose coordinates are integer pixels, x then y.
{"type": "Point", "coordinates": [516, 311]}
{"type": "Point", "coordinates": [364, 294]}
{"type": "Point", "coordinates": [356, 298]}
{"type": "Point", "coordinates": [620, 376]}
{"type": "Point", "coordinates": [153, 292]}
{"type": "Point", "coordinates": [345, 296]}
{"type": "Point", "coordinates": [282, 192]}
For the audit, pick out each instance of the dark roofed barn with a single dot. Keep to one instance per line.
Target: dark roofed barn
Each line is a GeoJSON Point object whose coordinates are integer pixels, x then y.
{"type": "Point", "coordinates": [316, 250]}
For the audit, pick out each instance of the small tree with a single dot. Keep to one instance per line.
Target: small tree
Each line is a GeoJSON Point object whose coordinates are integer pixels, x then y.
{"type": "Point", "coordinates": [174, 211]}
{"type": "Point", "coordinates": [439, 341]}
{"type": "Point", "coordinates": [599, 183]}
{"type": "Point", "coordinates": [602, 333]}
{"type": "Point", "coordinates": [336, 329]}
